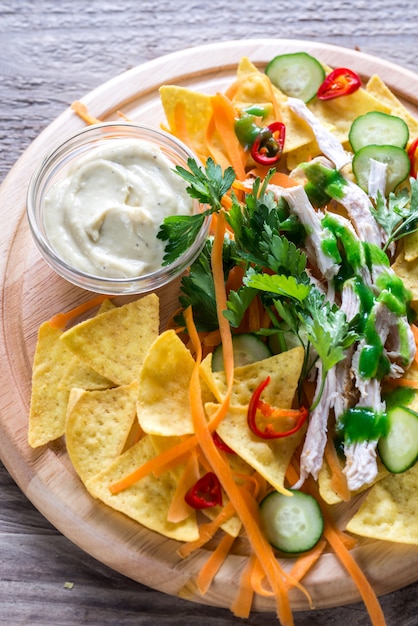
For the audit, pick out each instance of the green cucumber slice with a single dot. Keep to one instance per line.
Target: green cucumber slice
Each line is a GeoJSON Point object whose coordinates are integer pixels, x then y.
{"type": "Point", "coordinates": [399, 448]}
{"type": "Point", "coordinates": [247, 348]}
{"type": "Point", "coordinates": [377, 128]}
{"type": "Point", "coordinates": [397, 160]}
{"type": "Point", "coordinates": [291, 524]}
{"type": "Point", "coordinates": [297, 75]}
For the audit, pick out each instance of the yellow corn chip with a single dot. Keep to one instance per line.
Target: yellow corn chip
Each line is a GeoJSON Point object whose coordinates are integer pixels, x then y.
{"type": "Point", "coordinates": [284, 370]}
{"type": "Point", "coordinates": [115, 343]}
{"type": "Point", "coordinates": [148, 500]}
{"type": "Point", "coordinates": [377, 88]}
{"type": "Point", "coordinates": [390, 510]}
{"type": "Point", "coordinates": [408, 272]}
{"type": "Point", "coordinates": [98, 425]}
{"type": "Point", "coordinates": [270, 457]}
{"type": "Point", "coordinates": [197, 114]}
{"type": "Point", "coordinates": [48, 402]}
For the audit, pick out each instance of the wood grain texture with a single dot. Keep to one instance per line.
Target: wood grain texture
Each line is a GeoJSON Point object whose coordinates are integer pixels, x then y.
{"type": "Point", "coordinates": [52, 53]}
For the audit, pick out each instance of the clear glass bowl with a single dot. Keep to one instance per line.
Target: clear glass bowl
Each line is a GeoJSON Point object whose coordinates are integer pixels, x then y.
{"type": "Point", "coordinates": [54, 168]}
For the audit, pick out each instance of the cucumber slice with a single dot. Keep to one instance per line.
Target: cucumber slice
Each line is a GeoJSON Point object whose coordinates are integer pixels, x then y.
{"type": "Point", "coordinates": [297, 75]}
{"type": "Point", "coordinates": [291, 524]}
{"type": "Point", "coordinates": [397, 160]}
{"type": "Point", "coordinates": [399, 448]}
{"type": "Point", "coordinates": [247, 348]}
{"type": "Point", "coordinates": [377, 128]}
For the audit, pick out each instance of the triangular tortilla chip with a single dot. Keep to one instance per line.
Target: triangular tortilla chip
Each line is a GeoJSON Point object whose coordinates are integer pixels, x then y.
{"type": "Point", "coordinates": [163, 403]}
{"type": "Point", "coordinates": [98, 425]}
{"type": "Point", "coordinates": [48, 401]}
{"type": "Point", "coordinates": [284, 370]}
{"type": "Point", "coordinates": [115, 343]}
{"type": "Point", "coordinates": [270, 457]}
{"type": "Point", "coordinates": [149, 499]}
{"type": "Point", "coordinates": [390, 510]}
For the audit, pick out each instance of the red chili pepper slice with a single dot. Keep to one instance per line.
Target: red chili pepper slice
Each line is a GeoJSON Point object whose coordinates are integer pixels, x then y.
{"type": "Point", "coordinates": [340, 82]}
{"type": "Point", "coordinates": [205, 493]}
{"type": "Point", "coordinates": [413, 157]}
{"type": "Point", "coordinates": [298, 416]}
{"type": "Point", "coordinates": [220, 443]}
{"type": "Point", "coordinates": [268, 145]}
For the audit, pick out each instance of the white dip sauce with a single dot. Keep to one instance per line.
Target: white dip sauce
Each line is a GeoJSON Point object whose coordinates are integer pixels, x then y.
{"type": "Point", "coordinates": [104, 217]}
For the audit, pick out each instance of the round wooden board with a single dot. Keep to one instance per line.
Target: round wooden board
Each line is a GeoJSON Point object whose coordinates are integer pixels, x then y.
{"type": "Point", "coordinates": [31, 293]}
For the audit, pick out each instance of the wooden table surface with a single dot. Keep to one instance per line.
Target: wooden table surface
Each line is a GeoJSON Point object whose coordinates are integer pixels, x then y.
{"type": "Point", "coordinates": [51, 53]}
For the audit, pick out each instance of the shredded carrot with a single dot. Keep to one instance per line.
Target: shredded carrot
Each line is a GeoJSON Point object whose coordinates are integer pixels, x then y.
{"type": "Point", "coordinates": [403, 382]}
{"type": "Point", "coordinates": [211, 339]}
{"type": "Point", "coordinates": [258, 577]}
{"type": "Point", "coordinates": [246, 509]}
{"type": "Point", "coordinates": [333, 535]}
{"type": "Point", "coordinates": [305, 562]}
{"type": "Point", "coordinates": [276, 108]}
{"type": "Point", "coordinates": [214, 562]}
{"type": "Point", "coordinates": [224, 119]}
{"type": "Point", "coordinates": [213, 148]}
{"type": "Point", "coordinates": [338, 479]}
{"type": "Point", "coordinates": [81, 110]}
{"type": "Point", "coordinates": [179, 509]}
{"type": "Point", "coordinates": [241, 607]}
{"type": "Point", "coordinates": [180, 123]}
{"type": "Point", "coordinates": [60, 320]}
{"type": "Point", "coordinates": [207, 531]}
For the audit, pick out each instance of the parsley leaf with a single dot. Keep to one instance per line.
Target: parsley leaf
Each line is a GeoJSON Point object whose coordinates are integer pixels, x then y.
{"type": "Point", "coordinates": [286, 286]}
{"type": "Point", "coordinates": [398, 215]}
{"type": "Point", "coordinates": [208, 185]}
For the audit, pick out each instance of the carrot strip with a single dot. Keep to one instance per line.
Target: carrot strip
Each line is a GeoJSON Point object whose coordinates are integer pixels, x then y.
{"type": "Point", "coordinates": [214, 563]}
{"type": "Point", "coordinates": [60, 320]}
{"type": "Point", "coordinates": [246, 510]}
{"type": "Point", "coordinates": [215, 152]}
{"type": "Point", "coordinates": [207, 531]}
{"type": "Point", "coordinates": [180, 123]}
{"type": "Point", "coordinates": [224, 117]}
{"type": "Point", "coordinates": [305, 562]}
{"type": "Point", "coordinates": [333, 535]}
{"type": "Point", "coordinates": [276, 107]}
{"type": "Point", "coordinates": [338, 479]}
{"type": "Point", "coordinates": [403, 382]}
{"type": "Point", "coordinates": [81, 110]}
{"type": "Point", "coordinates": [258, 577]}
{"type": "Point", "coordinates": [179, 509]}
{"type": "Point", "coordinates": [242, 604]}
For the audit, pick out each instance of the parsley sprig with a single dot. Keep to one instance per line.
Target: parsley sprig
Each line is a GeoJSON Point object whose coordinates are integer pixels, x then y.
{"type": "Point", "coordinates": [398, 214]}
{"type": "Point", "coordinates": [208, 185]}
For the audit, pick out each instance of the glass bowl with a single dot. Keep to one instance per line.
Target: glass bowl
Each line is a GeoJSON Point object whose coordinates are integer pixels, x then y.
{"type": "Point", "coordinates": [55, 169]}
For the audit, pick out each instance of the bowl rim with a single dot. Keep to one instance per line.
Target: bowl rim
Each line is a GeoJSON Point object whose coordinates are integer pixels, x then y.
{"type": "Point", "coordinates": [105, 284]}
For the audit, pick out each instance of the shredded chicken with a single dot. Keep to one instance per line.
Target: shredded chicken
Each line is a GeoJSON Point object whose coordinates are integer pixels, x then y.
{"type": "Point", "coordinates": [328, 143]}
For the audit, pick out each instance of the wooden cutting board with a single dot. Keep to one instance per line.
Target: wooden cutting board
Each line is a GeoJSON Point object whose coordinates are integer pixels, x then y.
{"type": "Point", "coordinates": [32, 293]}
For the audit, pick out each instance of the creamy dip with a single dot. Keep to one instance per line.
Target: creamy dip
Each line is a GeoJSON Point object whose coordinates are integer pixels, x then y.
{"type": "Point", "coordinates": [103, 218]}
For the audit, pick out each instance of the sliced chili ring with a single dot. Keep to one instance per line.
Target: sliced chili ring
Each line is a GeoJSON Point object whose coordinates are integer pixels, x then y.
{"type": "Point", "coordinates": [340, 82]}
{"type": "Point", "coordinates": [205, 493]}
{"type": "Point", "coordinates": [269, 143]}
{"type": "Point", "coordinates": [297, 416]}
{"type": "Point", "coordinates": [413, 157]}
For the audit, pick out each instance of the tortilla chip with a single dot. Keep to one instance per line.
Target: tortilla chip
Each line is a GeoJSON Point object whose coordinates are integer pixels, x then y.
{"type": "Point", "coordinates": [408, 272]}
{"type": "Point", "coordinates": [115, 343]}
{"type": "Point", "coordinates": [197, 114]}
{"type": "Point", "coordinates": [381, 92]}
{"type": "Point", "coordinates": [149, 499]}
{"type": "Point", "coordinates": [284, 370]}
{"type": "Point", "coordinates": [97, 427]}
{"type": "Point", "coordinates": [48, 401]}
{"type": "Point", "coordinates": [325, 487]}
{"type": "Point", "coordinates": [81, 375]}
{"type": "Point", "coordinates": [270, 457]}
{"type": "Point", "coordinates": [390, 510]}
{"type": "Point", "coordinates": [340, 113]}
{"type": "Point", "coordinates": [163, 404]}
